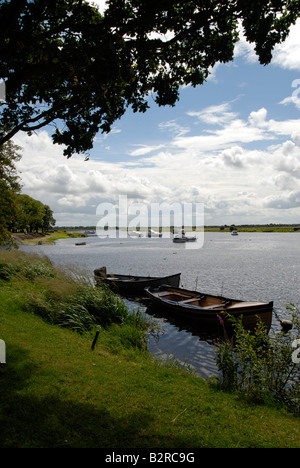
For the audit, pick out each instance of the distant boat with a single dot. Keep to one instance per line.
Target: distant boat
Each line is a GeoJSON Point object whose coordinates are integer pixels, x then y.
{"type": "Point", "coordinates": [234, 233]}
{"type": "Point", "coordinates": [152, 233]}
{"type": "Point", "coordinates": [80, 243]}
{"type": "Point", "coordinates": [129, 284]}
{"type": "Point", "coordinates": [209, 309]}
{"type": "Point", "coordinates": [135, 234]}
{"type": "Point", "coordinates": [179, 240]}
{"type": "Point", "coordinates": [90, 233]}
{"type": "Point", "coordinates": [183, 239]}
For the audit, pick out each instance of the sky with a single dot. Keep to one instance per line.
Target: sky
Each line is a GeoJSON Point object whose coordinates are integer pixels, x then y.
{"type": "Point", "coordinates": [232, 145]}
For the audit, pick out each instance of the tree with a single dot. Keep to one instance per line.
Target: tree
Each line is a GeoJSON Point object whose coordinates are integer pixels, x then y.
{"type": "Point", "coordinates": [64, 63]}
{"type": "Point", "coordinates": [48, 220]}
{"type": "Point", "coordinates": [9, 186]}
{"type": "Point", "coordinates": [32, 215]}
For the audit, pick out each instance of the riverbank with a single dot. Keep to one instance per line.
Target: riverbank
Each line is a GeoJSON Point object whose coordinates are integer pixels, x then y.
{"type": "Point", "coordinates": [43, 238]}
{"type": "Point", "coordinates": [224, 228]}
{"type": "Point", "coordinates": [117, 396]}
{"type": "Point", "coordinates": [254, 228]}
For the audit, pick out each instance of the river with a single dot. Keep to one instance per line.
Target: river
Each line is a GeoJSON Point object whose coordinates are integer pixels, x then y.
{"type": "Point", "coordinates": [250, 266]}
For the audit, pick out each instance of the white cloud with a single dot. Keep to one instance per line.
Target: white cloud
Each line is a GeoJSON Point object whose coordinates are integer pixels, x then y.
{"type": "Point", "coordinates": [287, 54]}
{"type": "Point", "coordinates": [216, 115]}
{"type": "Point", "coordinates": [220, 165]}
{"type": "Point", "coordinates": [144, 150]}
{"type": "Point", "coordinates": [174, 128]}
{"type": "Point", "coordinates": [233, 157]}
{"type": "Point", "coordinates": [236, 131]}
{"type": "Point", "coordinates": [284, 202]}
{"type": "Point", "coordinates": [258, 118]}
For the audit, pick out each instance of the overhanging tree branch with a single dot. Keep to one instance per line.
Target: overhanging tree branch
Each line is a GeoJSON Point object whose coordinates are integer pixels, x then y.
{"type": "Point", "coordinates": [25, 127]}
{"type": "Point", "coordinates": [87, 69]}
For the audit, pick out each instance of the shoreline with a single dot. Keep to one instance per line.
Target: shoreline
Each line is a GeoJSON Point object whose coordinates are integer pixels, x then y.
{"type": "Point", "coordinates": [44, 238]}
{"type": "Point", "coordinates": [38, 238]}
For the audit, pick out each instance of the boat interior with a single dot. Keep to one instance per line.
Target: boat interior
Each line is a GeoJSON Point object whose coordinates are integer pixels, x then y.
{"type": "Point", "coordinates": [199, 300]}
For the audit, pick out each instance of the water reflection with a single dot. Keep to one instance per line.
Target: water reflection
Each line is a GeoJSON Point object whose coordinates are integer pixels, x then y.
{"type": "Point", "coordinates": [191, 345]}
{"type": "Point", "coordinates": [195, 348]}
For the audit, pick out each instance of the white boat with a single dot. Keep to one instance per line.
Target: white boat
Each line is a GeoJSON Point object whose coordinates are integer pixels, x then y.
{"type": "Point", "coordinates": [152, 233]}
{"type": "Point", "coordinates": [234, 233]}
{"type": "Point", "coordinates": [179, 239]}
{"type": "Point", "coordinates": [135, 234]}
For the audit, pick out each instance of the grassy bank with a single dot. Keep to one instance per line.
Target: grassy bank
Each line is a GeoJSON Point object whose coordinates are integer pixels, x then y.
{"type": "Point", "coordinates": [36, 238]}
{"type": "Point", "coordinates": [56, 392]}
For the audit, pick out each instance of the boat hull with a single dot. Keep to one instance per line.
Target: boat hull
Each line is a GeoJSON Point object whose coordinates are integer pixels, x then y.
{"type": "Point", "coordinates": [135, 285]}
{"type": "Point", "coordinates": [182, 240]}
{"type": "Point", "coordinates": [210, 309]}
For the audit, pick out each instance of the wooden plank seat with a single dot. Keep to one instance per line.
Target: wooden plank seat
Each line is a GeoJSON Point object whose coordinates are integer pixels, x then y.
{"type": "Point", "coordinates": [196, 298]}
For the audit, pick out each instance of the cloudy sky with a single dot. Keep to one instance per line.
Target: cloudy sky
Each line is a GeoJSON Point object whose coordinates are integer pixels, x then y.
{"type": "Point", "coordinates": [232, 144]}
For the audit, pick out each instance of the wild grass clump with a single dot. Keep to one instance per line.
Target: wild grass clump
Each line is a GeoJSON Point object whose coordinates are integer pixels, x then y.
{"type": "Point", "coordinates": [14, 264]}
{"type": "Point", "coordinates": [69, 299]}
{"type": "Point", "coordinates": [262, 366]}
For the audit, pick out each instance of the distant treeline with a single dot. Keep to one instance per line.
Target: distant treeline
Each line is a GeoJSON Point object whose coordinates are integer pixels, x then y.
{"type": "Point", "coordinates": [256, 227]}
{"type": "Point", "coordinates": [215, 227]}
{"type": "Point", "coordinates": [18, 212]}
{"type": "Point", "coordinates": [31, 215]}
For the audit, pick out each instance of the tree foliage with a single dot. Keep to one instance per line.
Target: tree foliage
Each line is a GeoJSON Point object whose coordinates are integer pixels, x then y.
{"type": "Point", "coordinates": [18, 212]}
{"type": "Point", "coordinates": [32, 215]}
{"type": "Point", "coordinates": [66, 63]}
{"type": "Point", "coordinates": [9, 186]}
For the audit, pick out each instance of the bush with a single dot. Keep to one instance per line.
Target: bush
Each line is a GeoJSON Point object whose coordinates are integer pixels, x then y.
{"type": "Point", "coordinates": [20, 265]}
{"type": "Point", "coordinates": [102, 304]}
{"type": "Point", "coordinates": [260, 366]}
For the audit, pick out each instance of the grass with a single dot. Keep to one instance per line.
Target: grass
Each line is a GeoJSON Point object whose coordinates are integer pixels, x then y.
{"type": "Point", "coordinates": [56, 392]}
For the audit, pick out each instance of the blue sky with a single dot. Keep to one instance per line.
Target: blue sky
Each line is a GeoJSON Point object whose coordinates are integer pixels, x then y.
{"type": "Point", "coordinates": [232, 144]}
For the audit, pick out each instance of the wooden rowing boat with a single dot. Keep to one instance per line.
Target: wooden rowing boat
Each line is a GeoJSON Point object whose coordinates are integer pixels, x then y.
{"type": "Point", "coordinates": [209, 309]}
{"type": "Point", "coordinates": [133, 285]}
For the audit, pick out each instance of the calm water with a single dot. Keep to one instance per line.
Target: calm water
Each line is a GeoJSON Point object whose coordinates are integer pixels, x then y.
{"type": "Point", "coordinates": [250, 266]}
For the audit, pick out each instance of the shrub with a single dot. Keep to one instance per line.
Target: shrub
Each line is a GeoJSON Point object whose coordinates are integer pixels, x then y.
{"type": "Point", "coordinates": [260, 366]}
{"type": "Point", "coordinates": [102, 304]}
{"type": "Point", "coordinates": [18, 264]}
